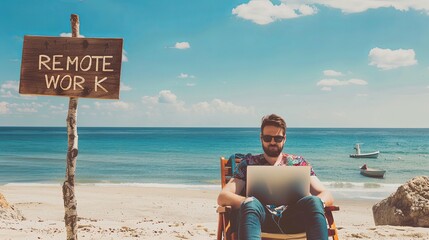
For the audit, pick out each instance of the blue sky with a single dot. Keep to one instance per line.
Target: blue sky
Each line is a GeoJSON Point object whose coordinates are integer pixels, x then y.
{"type": "Point", "coordinates": [318, 63]}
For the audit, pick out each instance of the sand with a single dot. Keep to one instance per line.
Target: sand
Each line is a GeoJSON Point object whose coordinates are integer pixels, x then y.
{"type": "Point", "coordinates": [136, 212]}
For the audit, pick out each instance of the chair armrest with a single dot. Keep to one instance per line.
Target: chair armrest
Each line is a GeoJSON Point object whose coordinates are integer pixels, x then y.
{"type": "Point", "coordinates": [332, 208]}
{"type": "Point", "coordinates": [224, 209]}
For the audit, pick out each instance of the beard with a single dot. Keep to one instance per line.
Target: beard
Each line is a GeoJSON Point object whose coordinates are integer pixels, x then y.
{"type": "Point", "coordinates": [272, 150]}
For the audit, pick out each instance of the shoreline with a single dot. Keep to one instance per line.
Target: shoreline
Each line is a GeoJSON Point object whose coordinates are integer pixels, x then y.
{"type": "Point", "coordinates": [340, 190]}
{"type": "Point", "coordinates": [135, 212]}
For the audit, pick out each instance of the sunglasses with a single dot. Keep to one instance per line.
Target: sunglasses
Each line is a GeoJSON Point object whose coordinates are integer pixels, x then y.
{"type": "Point", "coordinates": [268, 138]}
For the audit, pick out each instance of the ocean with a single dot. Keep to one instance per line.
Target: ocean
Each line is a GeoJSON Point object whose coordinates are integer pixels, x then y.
{"type": "Point", "coordinates": [189, 157]}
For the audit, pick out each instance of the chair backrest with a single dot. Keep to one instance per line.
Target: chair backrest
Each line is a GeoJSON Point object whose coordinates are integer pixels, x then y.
{"type": "Point", "coordinates": [226, 171]}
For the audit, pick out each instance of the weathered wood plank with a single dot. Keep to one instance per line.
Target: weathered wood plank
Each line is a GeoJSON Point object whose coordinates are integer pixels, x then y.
{"type": "Point", "coordinates": [74, 67]}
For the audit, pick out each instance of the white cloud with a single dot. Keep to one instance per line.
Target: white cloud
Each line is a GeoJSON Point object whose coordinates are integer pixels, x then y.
{"type": "Point", "coordinates": [121, 105]}
{"type": "Point", "coordinates": [220, 106]}
{"type": "Point", "coordinates": [190, 84]}
{"type": "Point", "coordinates": [326, 89]}
{"type": "Point", "coordinates": [4, 107]}
{"type": "Point", "coordinates": [327, 84]}
{"type": "Point", "coordinates": [9, 89]}
{"type": "Point", "coordinates": [117, 105]}
{"type": "Point", "coordinates": [86, 106]}
{"type": "Point", "coordinates": [14, 85]}
{"type": "Point", "coordinates": [26, 110]}
{"type": "Point", "coordinates": [6, 94]}
{"type": "Point", "coordinates": [356, 81]}
{"type": "Point", "coordinates": [335, 82]}
{"type": "Point", "coordinates": [69, 35]}
{"type": "Point", "coordinates": [165, 99]}
{"type": "Point", "coordinates": [124, 56]}
{"type": "Point", "coordinates": [332, 73]}
{"type": "Point", "coordinates": [362, 95]}
{"type": "Point", "coordinates": [31, 107]}
{"type": "Point", "coordinates": [57, 108]}
{"type": "Point", "coordinates": [264, 11]}
{"type": "Point", "coordinates": [331, 82]}
{"type": "Point", "coordinates": [124, 87]}
{"type": "Point", "coordinates": [185, 75]}
{"type": "Point", "coordinates": [182, 45]}
{"type": "Point", "coordinates": [166, 96]}
{"type": "Point", "coordinates": [356, 6]}
{"type": "Point", "coordinates": [387, 59]}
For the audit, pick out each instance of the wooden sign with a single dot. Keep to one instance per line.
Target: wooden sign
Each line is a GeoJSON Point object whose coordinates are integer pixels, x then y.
{"type": "Point", "coordinates": [73, 67]}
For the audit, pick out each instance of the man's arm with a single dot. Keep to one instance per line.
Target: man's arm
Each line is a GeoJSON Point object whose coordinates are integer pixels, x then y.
{"type": "Point", "coordinates": [230, 194]}
{"type": "Point", "coordinates": [317, 189]}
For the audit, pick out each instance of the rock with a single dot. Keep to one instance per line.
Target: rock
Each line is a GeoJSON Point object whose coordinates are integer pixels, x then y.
{"type": "Point", "coordinates": [9, 212]}
{"type": "Point", "coordinates": [408, 206]}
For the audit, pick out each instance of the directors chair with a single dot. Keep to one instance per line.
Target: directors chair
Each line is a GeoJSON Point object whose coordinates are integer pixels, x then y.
{"type": "Point", "coordinates": [224, 230]}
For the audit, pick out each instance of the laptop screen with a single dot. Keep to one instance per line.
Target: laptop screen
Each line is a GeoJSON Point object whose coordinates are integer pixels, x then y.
{"type": "Point", "coordinates": [278, 185]}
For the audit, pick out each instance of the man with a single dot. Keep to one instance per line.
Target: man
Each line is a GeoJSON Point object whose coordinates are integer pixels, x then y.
{"type": "Point", "coordinates": [306, 215]}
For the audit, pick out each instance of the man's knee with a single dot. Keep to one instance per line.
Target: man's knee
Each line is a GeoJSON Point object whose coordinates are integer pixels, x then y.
{"type": "Point", "coordinates": [252, 204]}
{"type": "Point", "coordinates": [312, 203]}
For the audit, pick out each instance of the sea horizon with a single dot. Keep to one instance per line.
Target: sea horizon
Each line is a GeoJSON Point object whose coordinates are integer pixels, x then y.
{"type": "Point", "coordinates": [257, 127]}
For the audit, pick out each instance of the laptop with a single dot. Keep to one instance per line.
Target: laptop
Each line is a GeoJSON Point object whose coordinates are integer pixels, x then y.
{"type": "Point", "coordinates": [278, 185]}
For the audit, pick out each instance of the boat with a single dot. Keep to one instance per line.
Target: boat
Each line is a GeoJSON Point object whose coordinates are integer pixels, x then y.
{"type": "Point", "coordinates": [363, 155]}
{"type": "Point", "coordinates": [372, 172]}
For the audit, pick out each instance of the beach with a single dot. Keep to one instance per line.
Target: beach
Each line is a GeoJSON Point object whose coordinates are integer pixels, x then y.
{"type": "Point", "coordinates": [114, 211]}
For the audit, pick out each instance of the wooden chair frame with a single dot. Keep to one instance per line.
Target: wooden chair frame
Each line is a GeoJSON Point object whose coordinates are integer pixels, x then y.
{"type": "Point", "coordinates": [225, 232]}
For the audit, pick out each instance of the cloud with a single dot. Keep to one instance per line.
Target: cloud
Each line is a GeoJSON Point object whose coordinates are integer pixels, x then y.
{"type": "Point", "coordinates": [124, 56]}
{"type": "Point", "coordinates": [336, 82]}
{"type": "Point", "coordinates": [190, 84]}
{"type": "Point", "coordinates": [31, 107]}
{"type": "Point", "coordinates": [387, 59]}
{"type": "Point", "coordinates": [14, 85]}
{"type": "Point", "coordinates": [185, 75]}
{"type": "Point", "coordinates": [9, 89]}
{"type": "Point", "coordinates": [167, 99]}
{"type": "Point", "coordinates": [69, 35]}
{"type": "Point", "coordinates": [6, 94]}
{"type": "Point", "coordinates": [124, 87]}
{"type": "Point", "coordinates": [220, 106]}
{"type": "Point", "coordinates": [332, 73]}
{"type": "Point", "coordinates": [166, 96]}
{"type": "Point", "coordinates": [182, 45]}
{"type": "Point", "coordinates": [4, 107]}
{"type": "Point", "coordinates": [117, 105]}
{"type": "Point", "coordinates": [356, 6]}
{"type": "Point", "coordinates": [326, 89]}
{"type": "Point", "coordinates": [264, 11]}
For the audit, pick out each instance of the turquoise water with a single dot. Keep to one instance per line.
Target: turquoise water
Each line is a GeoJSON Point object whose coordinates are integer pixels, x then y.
{"type": "Point", "coordinates": [191, 155]}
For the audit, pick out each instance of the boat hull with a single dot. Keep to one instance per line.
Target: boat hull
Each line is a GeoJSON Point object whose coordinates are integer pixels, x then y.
{"type": "Point", "coordinates": [365, 155]}
{"type": "Point", "coordinates": [374, 173]}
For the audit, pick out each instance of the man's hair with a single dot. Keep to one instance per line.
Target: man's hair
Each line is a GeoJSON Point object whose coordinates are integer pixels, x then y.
{"type": "Point", "coordinates": [273, 120]}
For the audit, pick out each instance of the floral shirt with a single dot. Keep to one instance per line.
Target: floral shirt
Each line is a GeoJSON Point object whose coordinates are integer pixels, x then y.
{"type": "Point", "coordinates": [287, 160]}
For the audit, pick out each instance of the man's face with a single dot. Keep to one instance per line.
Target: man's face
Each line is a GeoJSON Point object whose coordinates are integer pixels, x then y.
{"type": "Point", "coordinates": [270, 139]}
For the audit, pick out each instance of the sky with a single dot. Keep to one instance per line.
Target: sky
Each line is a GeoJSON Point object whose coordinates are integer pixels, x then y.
{"type": "Point", "coordinates": [226, 63]}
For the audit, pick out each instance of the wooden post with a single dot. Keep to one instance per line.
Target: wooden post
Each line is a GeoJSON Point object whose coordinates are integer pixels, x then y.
{"type": "Point", "coordinates": [70, 203]}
